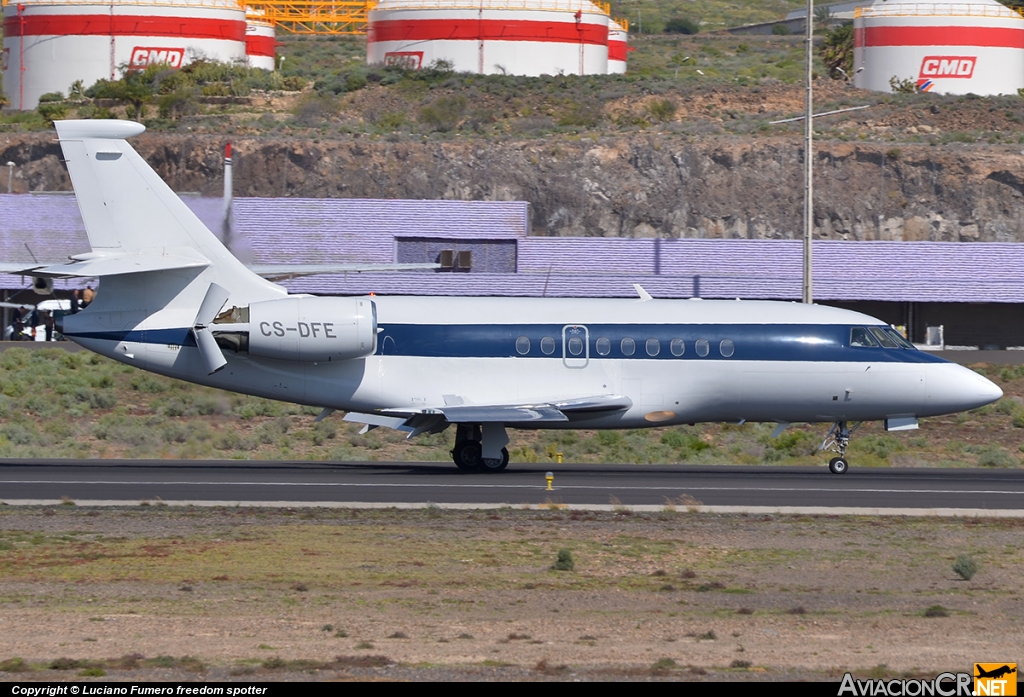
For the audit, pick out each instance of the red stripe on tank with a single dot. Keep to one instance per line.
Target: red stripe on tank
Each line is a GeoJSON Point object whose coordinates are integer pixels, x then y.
{"type": "Point", "coordinates": [987, 37]}
{"type": "Point", "coordinates": [260, 45]}
{"type": "Point", "coordinates": [105, 25]}
{"type": "Point", "coordinates": [487, 30]}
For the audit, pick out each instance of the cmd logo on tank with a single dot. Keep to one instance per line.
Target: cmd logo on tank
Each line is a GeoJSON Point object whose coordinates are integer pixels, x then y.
{"type": "Point", "coordinates": [944, 67]}
{"type": "Point", "coordinates": [143, 56]}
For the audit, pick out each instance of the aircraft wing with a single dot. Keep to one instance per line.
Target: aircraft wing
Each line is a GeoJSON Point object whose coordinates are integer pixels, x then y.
{"type": "Point", "coordinates": [417, 421]}
{"type": "Point", "coordinates": [108, 265]}
{"type": "Point", "coordinates": [277, 272]}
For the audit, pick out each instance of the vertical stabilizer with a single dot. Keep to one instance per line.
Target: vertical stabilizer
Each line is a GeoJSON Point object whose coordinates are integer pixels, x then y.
{"type": "Point", "coordinates": [128, 209]}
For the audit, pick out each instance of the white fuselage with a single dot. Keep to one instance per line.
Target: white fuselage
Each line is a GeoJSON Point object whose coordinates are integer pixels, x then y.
{"type": "Point", "coordinates": [788, 362]}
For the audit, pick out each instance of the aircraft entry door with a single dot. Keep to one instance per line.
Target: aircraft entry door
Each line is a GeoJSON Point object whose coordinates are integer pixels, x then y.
{"type": "Point", "coordinates": [575, 346]}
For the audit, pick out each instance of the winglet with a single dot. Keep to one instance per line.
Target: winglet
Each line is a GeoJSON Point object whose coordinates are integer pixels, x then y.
{"type": "Point", "coordinates": [644, 295]}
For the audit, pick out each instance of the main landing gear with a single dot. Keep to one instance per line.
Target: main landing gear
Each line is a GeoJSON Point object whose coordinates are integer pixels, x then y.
{"type": "Point", "coordinates": [837, 441]}
{"type": "Point", "coordinates": [468, 452]}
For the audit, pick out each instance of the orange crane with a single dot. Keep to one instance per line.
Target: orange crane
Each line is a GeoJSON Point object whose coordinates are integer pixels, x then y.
{"type": "Point", "coordinates": [312, 16]}
{"type": "Point", "coordinates": [344, 17]}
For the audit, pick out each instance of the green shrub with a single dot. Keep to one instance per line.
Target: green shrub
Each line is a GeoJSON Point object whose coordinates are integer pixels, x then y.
{"type": "Point", "coordinates": [936, 611]}
{"type": "Point", "coordinates": [293, 83]}
{"type": "Point", "coordinates": [444, 113]}
{"type": "Point", "coordinates": [663, 665]}
{"type": "Point", "coordinates": [991, 456]}
{"type": "Point", "coordinates": [52, 111]}
{"type": "Point", "coordinates": [662, 109]}
{"type": "Point", "coordinates": [181, 102]}
{"type": "Point", "coordinates": [565, 561]}
{"type": "Point", "coordinates": [965, 567]}
{"type": "Point", "coordinates": [903, 86]}
{"type": "Point", "coordinates": [681, 25]}
{"type": "Point", "coordinates": [14, 665]}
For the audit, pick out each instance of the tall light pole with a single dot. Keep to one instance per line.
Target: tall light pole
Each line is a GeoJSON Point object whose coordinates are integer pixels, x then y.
{"type": "Point", "coordinates": [10, 176]}
{"type": "Point", "coordinates": [808, 290]}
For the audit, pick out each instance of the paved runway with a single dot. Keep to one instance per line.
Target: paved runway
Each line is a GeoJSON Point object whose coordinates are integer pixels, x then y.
{"type": "Point", "coordinates": [132, 481]}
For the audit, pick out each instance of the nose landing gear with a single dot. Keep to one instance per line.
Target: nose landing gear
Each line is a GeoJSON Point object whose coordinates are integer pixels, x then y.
{"type": "Point", "coordinates": [837, 440]}
{"type": "Point", "coordinates": [838, 465]}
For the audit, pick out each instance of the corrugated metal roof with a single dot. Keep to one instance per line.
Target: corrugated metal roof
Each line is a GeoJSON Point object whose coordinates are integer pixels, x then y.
{"type": "Point", "coordinates": [890, 287]}
{"type": "Point", "coordinates": [754, 269]}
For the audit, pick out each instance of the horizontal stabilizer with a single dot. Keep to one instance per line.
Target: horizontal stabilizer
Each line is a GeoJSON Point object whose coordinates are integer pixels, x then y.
{"type": "Point", "coordinates": [118, 264]}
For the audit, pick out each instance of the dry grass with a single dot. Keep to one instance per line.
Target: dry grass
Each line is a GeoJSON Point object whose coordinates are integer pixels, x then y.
{"type": "Point", "coordinates": [453, 588]}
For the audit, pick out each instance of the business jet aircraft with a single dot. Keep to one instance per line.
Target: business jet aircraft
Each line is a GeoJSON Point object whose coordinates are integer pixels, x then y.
{"type": "Point", "coordinates": [174, 301]}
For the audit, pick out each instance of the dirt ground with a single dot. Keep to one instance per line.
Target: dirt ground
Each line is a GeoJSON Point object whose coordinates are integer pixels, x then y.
{"type": "Point", "coordinates": [175, 593]}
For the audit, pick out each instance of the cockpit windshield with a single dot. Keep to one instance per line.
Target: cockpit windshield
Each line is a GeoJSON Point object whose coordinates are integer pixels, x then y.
{"type": "Point", "coordinates": [883, 338]}
{"type": "Point", "coordinates": [861, 337]}
{"type": "Point", "coordinates": [872, 337]}
{"type": "Point", "coordinates": [898, 338]}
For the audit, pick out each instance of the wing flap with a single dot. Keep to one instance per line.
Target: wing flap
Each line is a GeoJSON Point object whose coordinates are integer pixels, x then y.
{"type": "Point", "coordinates": [605, 402]}
{"type": "Point", "coordinates": [506, 414]}
{"type": "Point", "coordinates": [512, 414]}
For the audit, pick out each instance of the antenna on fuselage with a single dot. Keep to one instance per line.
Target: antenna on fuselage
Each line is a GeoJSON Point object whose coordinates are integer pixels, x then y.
{"type": "Point", "coordinates": [808, 291]}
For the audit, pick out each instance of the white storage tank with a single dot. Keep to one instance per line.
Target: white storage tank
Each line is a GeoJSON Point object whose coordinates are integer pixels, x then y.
{"type": "Point", "coordinates": [260, 44]}
{"type": "Point", "coordinates": [514, 37]}
{"type": "Point", "coordinates": [944, 47]}
{"type": "Point", "coordinates": [50, 44]}
{"type": "Point", "coordinates": [618, 46]}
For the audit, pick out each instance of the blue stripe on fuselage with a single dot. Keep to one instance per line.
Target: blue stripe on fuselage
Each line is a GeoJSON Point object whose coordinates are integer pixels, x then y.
{"type": "Point", "coordinates": [752, 342]}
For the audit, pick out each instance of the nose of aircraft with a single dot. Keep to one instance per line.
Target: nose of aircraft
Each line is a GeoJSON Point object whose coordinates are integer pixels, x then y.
{"type": "Point", "coordinates": [953, 388]}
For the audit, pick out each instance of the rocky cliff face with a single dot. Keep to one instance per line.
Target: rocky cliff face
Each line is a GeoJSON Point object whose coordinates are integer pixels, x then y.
{"type": "Point", "coordinates": [643, 185]}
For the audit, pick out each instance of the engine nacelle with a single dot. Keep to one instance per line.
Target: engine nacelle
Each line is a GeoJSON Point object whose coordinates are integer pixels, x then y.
{"type": "Point", "coordinates": [42, 285]}
{"type": "Point", "coordinates": [313, 329]}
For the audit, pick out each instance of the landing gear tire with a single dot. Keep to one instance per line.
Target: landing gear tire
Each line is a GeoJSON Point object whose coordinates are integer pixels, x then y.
{"type": "Point", "coordinates": [838, 440]}
{"type": "Point", "coordinates": [838, 465]}
{"type": "Point", "coordinates": [467, 455]}
{"type": "Point", "coordinates": [495, 464]}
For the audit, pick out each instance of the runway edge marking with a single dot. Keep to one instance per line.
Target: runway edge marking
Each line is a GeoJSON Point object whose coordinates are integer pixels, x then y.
{"type": "Point", "coordinates": [682, 508]}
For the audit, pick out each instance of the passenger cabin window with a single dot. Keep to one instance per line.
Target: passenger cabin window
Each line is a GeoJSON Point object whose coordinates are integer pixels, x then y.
{"type": "Point", "coordinates": [702, 347]}
{"type": "Point", "coordinates": [884, 339]}
{"type": "Point", "coordinates": [727, 348]}
{"type": "Point", "coordinates": [861, 338]}
{"type": "Point", "coordinates": [523, 345]}
{"type": "Point", "coordinates": [677, 346]}
{"type": "Point", "coordinates": [547, 345]}
{"type": "Point", "coordinates": [653, 347]}
{"type": "Point", "coordinates": [603, 346]}
{"type": "Point", "coordinates": [575, 346]}
{"type": "Point", "coordinates": [628, 347]}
